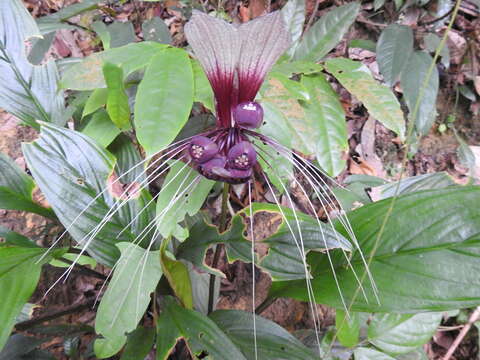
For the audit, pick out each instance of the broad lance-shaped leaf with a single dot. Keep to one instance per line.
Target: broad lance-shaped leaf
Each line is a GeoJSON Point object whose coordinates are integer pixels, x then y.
{"type": "Point", "coordinates": [401, 333]}
{"type": "Point", "coordinates": [71, 170]}
{"type": "Point", "coordinates": [117, 99]}
{"type": "Point", "coordinates": [425, 230]}
{"type": "Point", "coordinates": [294, 15]}
{"type": "Point", "coordinates": [16, 189]}
{"type": "Point", "coordinates": [28, 92]}
{"type": "Point", "coordinates": [139, 344]}
{"type": "Point", "coordinates": [415, 89]}
{"type": "Point", "coordinates": [127, 297]}
{"type": "Point", "coordinates": [326, 33]}
{"type": "Point", "coordinates": [19, 274]}
{"type": "Point", "coordinates": [379, 100]}
{"type": "Point", "coordinates": [283, 261]}
{"type": "Point", "coordinates": [87, 75]}
{"type": "Point", "coordinates": [394, 48]}
{"type": "Point", "coordinates": [164, 99]}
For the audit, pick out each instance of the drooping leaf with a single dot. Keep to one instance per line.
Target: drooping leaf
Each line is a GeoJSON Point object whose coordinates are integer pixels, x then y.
{"type": "Point", "coordinates": [199, 331]}
{"type": "Point", "coordinates": [348, 327]}
{"type": "Point", "coordinates": [87, 75]}
{"type": "Point", "coordinates": [127, 296]}
{"type": "Point", "coordinates": [394, 48]}
{"type": "Point", "coordinates": [294, 15]}
{"type": "Point", "coordinates": [101, 128]}
{"type": "Point", "coordinates": [326, 33]}
{"type": "Point", "coordinates": [164, 99]}
{"type": "Point", "coordinates": [425, 230]}
{"type": "Point", "coordinates": [325, 111]}
{"type": "Point", "coordinates": [379, 100]}
{"type": "Point", "coordinates": [28, 92]}
{"type": "Point", "coordinates": [19, 274]}
{"type": "Point", "coordinates": [155, 29]}
{"type": "Point", "coordinates": [412, 82]}
{"type": "Point", "coordinates": [401, 333]}
{"type": "Point", "coordinates": [139, 343]}
{"type": "Point", "coordinates": [101, 29]}
{"type": "Point", "coordinates": [73, 173]}
{"type": "Point", "coordinates": [183, 193]}
{"type": "Point", "coordinates": [117, 99]}
{"type": "Point", "coordinates": [16, 189]}
{"type": "Point", "coordinates": [273, 341]}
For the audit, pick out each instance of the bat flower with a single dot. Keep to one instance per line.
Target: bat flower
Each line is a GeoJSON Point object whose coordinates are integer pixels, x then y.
{"type": "Point", "coordinates": [236, 60]}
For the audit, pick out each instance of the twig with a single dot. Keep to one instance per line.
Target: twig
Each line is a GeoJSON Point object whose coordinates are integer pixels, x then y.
{"type": "Point", "coordinates": [421, 23]}
{"type": "Point", "coordinates": [473, 317]}
{"type": "Point", "coordinates": [25, 325]}
{"type": "Point", "coordinates": [264, 305]}
{"type": "Point", "coordinates": [83, 270]}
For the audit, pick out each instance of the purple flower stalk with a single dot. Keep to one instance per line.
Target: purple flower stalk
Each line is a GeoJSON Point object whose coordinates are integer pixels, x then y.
{"type": "Point", "coordinates": [236, 60]}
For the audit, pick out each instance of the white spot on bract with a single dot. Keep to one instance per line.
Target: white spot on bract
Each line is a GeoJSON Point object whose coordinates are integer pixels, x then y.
{"type": "Point", "coordinates": [249, 106]}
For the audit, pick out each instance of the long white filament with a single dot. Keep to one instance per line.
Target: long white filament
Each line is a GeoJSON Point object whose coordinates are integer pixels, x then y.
{"type": "Point", "coordinates": [252, 236]}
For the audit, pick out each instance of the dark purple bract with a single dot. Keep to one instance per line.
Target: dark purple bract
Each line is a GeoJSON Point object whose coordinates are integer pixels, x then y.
{"type": "Point", "coordinates": [202, 149]}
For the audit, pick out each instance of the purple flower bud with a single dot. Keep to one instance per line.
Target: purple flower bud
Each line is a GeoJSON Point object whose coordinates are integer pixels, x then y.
{"type": "Point", "coordinates": [215, 166]}
{"type": "Point", "coordinates": [242, 156]}
{"type": "Point", "coordinates": [248, 114]}
{"type": "Point", "coordinates": [202, 149]}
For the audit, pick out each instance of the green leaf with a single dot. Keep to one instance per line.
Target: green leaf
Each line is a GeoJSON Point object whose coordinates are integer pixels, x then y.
{"type": "Point", "coordinates": [127, 297]}
{"type": "Point", "coordinates": [13, 238]}
{"type": "Point", "coordinates": [102, 31]}
{"type": "Point", "coordinates": [71, 170]}
{"type": "Point", "coordinates": [121, 33]}
{"type": "Point", "coordinates": [16, 189]}
{"type": "Point", "coordinates": [20, 347]}
{"type": "Point", "coordinates": [176, 273]}
{"type": "Point", "coordinates": [326, 33]}
{"type": "Point", "coordinates": [348, 327]}
{"type": "Point", "coordinates": [363, 44]}
{"type": "Point", "coordinates": [101, 128]}
{"type": "Point", "coordinates": [362, 353]}
{"type": "Point", "coordinates": [87, 75]}
{"type": "Point", "coordinates": [294, 15]}
{"type": "Point", "coordinates": [183, 193]}
{"type": "Point", "coordinates": [378, 99]}
{"type": "Point", "coordinates": [394, 48]}
{"type": "Point", "coordinates": [28, 92]}
{"type": "Point", "coordinates": [330, 126]}
{"type": "Point", "coordinates": [139, 343]}
{"type": "Point", "coordinates": [203, 91]}
{"type": "Point", "coordinates": [200, 333]}
{"type": "Point", "coordinates": [295, 67]}
{"type": "Point", "coordinates": [19, 273]}
{"type": "Point", "coordinates": [95, 101]}
{"type": "Point", "coordinates": [432, 42]}
{"type": "Point", "coordinates": [117, 99]}
{"type": "Point", "coordinates": [401, 333]}
{"type": "Point", "coordinates": [412, 81]}
{"type": "Point", "coordinates": [425, 230]}
{"type": "Point", "coordinates": [155, 29]}
{"type": "Point", "coordinates": [57, 20]}
{"type": "Point", "coordinates": [71, 257]}
{"type": "Point", "coordinates": [273, 341]}
{"type": "Point", "coordinates": [164, 99]}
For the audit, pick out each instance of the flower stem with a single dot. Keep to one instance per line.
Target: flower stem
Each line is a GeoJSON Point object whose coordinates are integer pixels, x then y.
{"type": "Point", "coordinates": [218, 249]}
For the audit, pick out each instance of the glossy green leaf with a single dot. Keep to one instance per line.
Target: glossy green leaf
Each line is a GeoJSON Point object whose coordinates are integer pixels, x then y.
{"type": "Point", "coordinates": [394, 48]}
{"type": "Point", "coordinates": [87, 75]}
{"type": "Point", "coordinates": [362, 353]}
{"type": "Point", "coordinates": [101, 128]}
{"type": "Point", "coordinates": [294, 15]}
{"type": "Point", "coordinates": [379, 100]}
{"type": "Point", "coordinates": [273, 341]}
{"type": "Point", "coordinates": [95, 101]}
{"type": "Point", "coordinates": [155, 29]}
{"type": "Point", "coordinates": [71, 170]}
{"type": "Point", "coordinates": [176, 273]}
{"type": "Point", "coordinates": [348, 327]}
{"type": "Point", "coordinates": [16, 189]}
{"type": "Point", "coordinates": [203, 91]}
{"type": "Point", "coordinates": [19, 273]}
{"type": "Point", "coordinates": [425, 231]}
{"type": "Point", "coordinates": [326, 33]}
{"type": "Point", "coordinates": [127, 297]}
{"type": "Point", "coordinates": [12, 238]}
{"type": "Point", "coordinates": [183, 193]}
{"type": "Point", "coordinates": [412, 82]}
{"type": "Point", "coordinates": [139, 344]}
{"type": "Point", "coordinates": [164, 99]}
{"type": "Point", "coordinates": [71, 257]}
{"type": "Point", "coordinates": [28, 92]}
{"type": "Point", "coordinates": [200, 333]}
{"type": "Point", "coordinates": [117, 99]}
{"type": "Point", "coordinates": [326, 113]}
{"type": "Point", "coordinates": [401, 333]}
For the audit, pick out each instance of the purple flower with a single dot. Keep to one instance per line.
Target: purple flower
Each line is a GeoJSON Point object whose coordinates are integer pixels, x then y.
{"type": "Point", "coordinates": [236, 60]}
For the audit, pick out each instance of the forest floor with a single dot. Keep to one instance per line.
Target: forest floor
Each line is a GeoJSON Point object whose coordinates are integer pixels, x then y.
{"type": "Point", "coordinates": [373, 151]}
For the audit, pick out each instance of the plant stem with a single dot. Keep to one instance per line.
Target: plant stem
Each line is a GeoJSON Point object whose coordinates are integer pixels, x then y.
{"type": "Point", "coordinates": [218, 249]}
